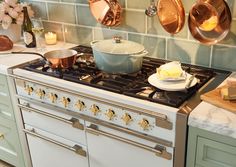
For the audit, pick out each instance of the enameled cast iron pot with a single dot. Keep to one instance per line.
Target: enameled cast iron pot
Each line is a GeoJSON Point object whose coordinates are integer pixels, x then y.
{"type": "Point", "coordinates": [118, 56]}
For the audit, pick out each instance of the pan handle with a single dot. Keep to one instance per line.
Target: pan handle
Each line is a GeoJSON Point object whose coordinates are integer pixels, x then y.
{"type": "Point", "coordinates": [44, 58]}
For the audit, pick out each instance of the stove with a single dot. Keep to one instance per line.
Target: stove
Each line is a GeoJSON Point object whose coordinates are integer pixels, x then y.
{"type": "Point", "coordinates": [126, 103]}
{"type": "Point", "coordinates": [135, 85]}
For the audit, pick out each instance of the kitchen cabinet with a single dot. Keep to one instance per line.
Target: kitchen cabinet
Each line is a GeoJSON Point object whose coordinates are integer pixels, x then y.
{"type": "Point", "coordinates": [207, 149]}
{"type": "Point", "coordinates": [10, 149]}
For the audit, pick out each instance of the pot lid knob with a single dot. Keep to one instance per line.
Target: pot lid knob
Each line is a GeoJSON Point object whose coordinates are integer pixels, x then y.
{"type": "Point", "coordinates": [117, 39]}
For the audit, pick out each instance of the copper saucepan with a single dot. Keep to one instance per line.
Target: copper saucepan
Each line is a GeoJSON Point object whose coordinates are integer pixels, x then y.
{"type": "Point", "coordinates": [64, 58]}
{"type": "Point", "coordinates": [209, 21]}
{"type": "Point", "coordinates": [106, 12]}
{"type": "Point", "coordinates": [171, 15]}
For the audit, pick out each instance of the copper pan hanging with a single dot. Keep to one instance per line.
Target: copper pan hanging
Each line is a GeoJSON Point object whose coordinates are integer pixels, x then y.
{"type": "Point", "coordinates": [106, 12]}
{"type": "Point", "coordinates": [209, 21]}
{"type": "Point", "coordinates": [171, 15]}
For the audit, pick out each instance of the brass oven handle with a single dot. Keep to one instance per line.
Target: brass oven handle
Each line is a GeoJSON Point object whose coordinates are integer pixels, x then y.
{"type": "Point", "coordinates": [158, 150]}
{"type": "Point", "coordinates": [73, 121]}
{"type": "Point", "coordinates": [76, 148]}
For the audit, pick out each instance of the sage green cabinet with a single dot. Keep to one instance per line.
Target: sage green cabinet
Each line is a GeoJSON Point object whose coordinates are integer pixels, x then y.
{"type": "Point", "coordinates": [207, 149]}
{"type": "Point", "coordinates": [10, 149]}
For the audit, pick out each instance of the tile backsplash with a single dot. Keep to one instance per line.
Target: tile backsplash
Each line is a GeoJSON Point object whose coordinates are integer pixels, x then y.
{"type": "Point", "coordinates": [73, 22]}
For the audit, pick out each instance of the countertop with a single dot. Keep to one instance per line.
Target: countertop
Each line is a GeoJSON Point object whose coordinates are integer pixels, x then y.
{"type": "Point", "coordinates": [8, 60]}
{"type": "Point", "coordinates": [214, 119]}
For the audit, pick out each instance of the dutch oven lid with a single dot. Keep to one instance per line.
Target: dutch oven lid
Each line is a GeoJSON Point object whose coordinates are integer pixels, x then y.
{"type": "Point", "coordinates": [117, 46]}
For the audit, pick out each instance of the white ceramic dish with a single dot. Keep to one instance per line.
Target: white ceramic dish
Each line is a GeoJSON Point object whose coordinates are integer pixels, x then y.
{"type": "Point", "coordinates": [171, 86]}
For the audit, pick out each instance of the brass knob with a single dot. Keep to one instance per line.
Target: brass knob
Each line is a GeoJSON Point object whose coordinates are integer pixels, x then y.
{"type": "Point", "coordinates": [52, 97]}
{"type": "Point", "coordinates": [29, 89]}
{"type": "Point", "coordinates": [126, 118]}
{"type": "Point", "coordinates": [144, 124]}
{"type": "Point", "coordinates": [110, 114]}
{"type": "Point", "coordinates": [1, 136]}
{"type": "Point", "coordinates": [65, 101]}
{"type": "Point", "coordinates": [80, 105]}
{"type": "Point", "coordinates": [40, 93]}
{"type": "Point", "coordinates": [94, 109]}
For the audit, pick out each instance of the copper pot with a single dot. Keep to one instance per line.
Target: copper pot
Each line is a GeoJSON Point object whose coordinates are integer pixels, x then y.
{"type": "Point", "coordinates": [64, 58]}
{"type": "Point", "coordinates": [209, 21]}
{"type": "Point", "coordinates": [171, 15]}
{"type": "Point", "coordinates": [106, 12]}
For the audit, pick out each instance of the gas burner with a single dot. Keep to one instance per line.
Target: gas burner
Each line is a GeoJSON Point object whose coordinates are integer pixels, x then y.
{"type": "Point", "coordinates": [136, 85]}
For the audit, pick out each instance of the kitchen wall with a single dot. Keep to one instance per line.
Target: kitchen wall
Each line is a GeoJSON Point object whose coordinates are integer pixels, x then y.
{"type": "Point", "coordinates": [73, 22]}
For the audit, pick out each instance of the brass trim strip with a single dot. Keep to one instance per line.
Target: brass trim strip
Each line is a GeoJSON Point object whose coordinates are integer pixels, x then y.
{"type": "Point", "coordinates": [76, 148]}
{"type": "Point", "coordinates": [103, 123]}
{"type": "Point", "coordinates": [168, 125]}
{"type": "Point", "coordinates": [73, 121]}
{"type": "Point", "coordinates": [158, 150]}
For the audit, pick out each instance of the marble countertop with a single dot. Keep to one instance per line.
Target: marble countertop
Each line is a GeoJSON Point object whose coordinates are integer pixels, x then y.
{"type": "Point", "coordinates": [214, 119]}
{"type": "Point", "coordinates": [8, 60]}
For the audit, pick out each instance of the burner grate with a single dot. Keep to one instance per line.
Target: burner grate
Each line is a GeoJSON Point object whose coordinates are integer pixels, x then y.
{"type": "Point", "coordinates": [135, 85]}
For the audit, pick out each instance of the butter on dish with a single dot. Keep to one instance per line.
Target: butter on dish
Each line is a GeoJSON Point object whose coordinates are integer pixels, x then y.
{"type": "Point", "coordinates": [171, 71]}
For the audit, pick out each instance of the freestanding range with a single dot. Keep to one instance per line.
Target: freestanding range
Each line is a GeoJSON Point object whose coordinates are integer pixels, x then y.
{"type": "Point", "coordinates": [91, 118]}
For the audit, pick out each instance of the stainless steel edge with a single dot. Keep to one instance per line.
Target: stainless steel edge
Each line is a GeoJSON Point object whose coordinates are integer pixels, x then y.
{"type": "Point", "coordinates": [76, 148]}
{"type": "Point", "coordinates": [181, 137]}
{"type": "Point", "coordinates": [101, 122]}
{"type": "Point", "coordinates": [165, 123]}
{"type": "Point", "coordinates": [73, 121]}
{"type": "Point", "coordinates": [158, 150]}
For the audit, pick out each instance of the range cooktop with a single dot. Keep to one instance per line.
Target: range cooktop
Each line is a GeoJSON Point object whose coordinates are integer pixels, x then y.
{"type": "Point", "coordinates": [136, 85]}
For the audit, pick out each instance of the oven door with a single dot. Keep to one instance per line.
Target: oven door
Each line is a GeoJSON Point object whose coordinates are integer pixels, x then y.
{"type": "Point", "coordinates": [111, 148]}
{"type": "Point", "coordinates": [48, 150]}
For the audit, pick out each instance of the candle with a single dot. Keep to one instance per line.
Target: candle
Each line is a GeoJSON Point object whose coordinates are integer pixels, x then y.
{"type": "Point", "coordinates": [50, 38]}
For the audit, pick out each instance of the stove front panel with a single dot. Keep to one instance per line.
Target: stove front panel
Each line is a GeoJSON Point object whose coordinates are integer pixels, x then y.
{"type": "Point", "coordinates": [152, 123]}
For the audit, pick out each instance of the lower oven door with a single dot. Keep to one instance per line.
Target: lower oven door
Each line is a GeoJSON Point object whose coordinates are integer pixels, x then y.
{"type": "Point", "coordinates": [48, 150]}
{"type": "Point", "coordinates": [111, 148]}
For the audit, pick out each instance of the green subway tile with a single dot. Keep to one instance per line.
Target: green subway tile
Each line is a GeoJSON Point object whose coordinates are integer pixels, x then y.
{"type": "Point", "coordinates": [155, 46]}
{"type": "Point", "coordinates": [230, 39]}
{"type": "Point", "coordinates": [108, 34]}
{"type": "Point", "coordinates": [39, 9]}
{"type": "Point", "coordinates": [188, 5]}
{"type": "Point", "coordinates": [78, 35]}
{"type": "Point", "coordinates": [188, 52]}
{"type": "Point", "coordinates": [122, 3]}
{"type": "Point", "coordinates": [154, 27]}
{"type": "Point", "coordinates": [57, 28]}
{"type": "Point", "coordinates": [76, 1]}
{"type": "Point", "coordinates": [132, 21]}
{"type": "Point", "coordinates": [224, 58]}
{"type": "Point", "coordinates": [85, 17]}
{"type": "Point", "coordinates": [138, 4]}
{"type": "Point", "coordinates": [61, 13]}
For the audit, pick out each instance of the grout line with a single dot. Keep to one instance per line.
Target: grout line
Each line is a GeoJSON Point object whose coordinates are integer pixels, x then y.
{"type": "Point", "coordinates": [47, 11]}
{"type": "Point", "coordinates": [63, 32]}
{"type": "Point", "coordinates": [76, 17]}
{"type": "Point", "coordinates": [211, 56]}
{"type": "Point", "coordinates": [166, 49]}
{"type": "Point", "coordinates": [146, 25]}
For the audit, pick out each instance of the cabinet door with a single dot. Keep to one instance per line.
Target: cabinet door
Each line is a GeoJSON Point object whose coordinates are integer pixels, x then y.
{"type": "Point", "coordinates": [207, 149]}
{"type": "Point", "coordinates": [5, 101]}
{"type": "Point", "coordinates": [212, 153]}
{"type": "Point", "coordinates": [9, 143]}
